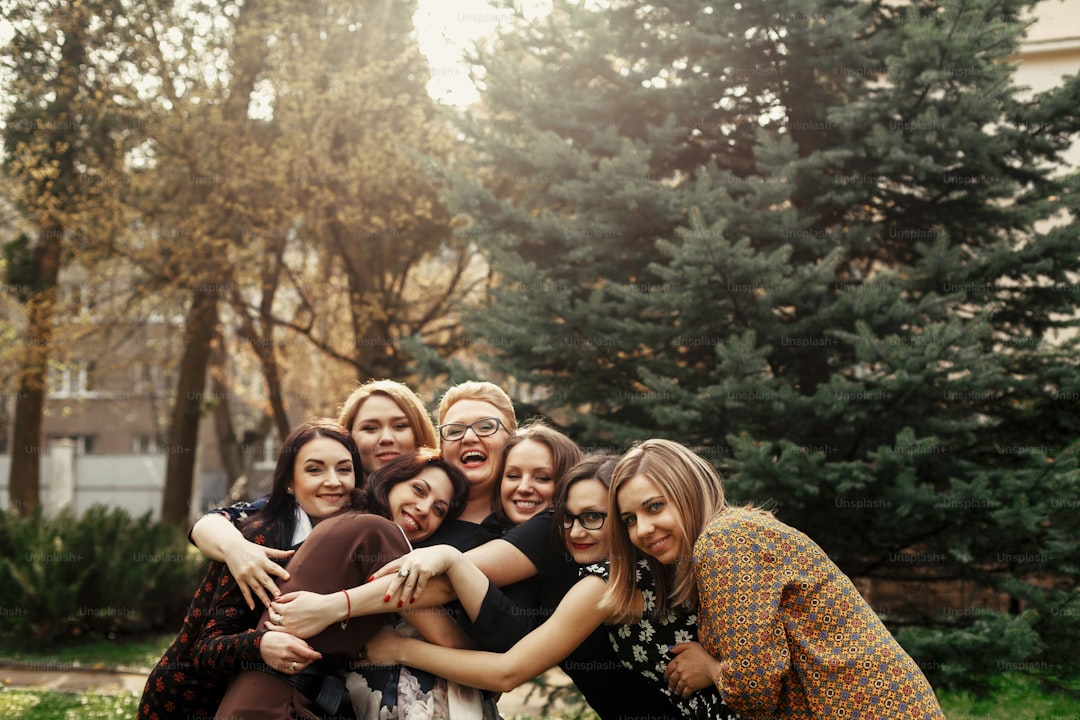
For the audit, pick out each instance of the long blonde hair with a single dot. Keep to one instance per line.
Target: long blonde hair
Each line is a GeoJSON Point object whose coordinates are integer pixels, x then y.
{"type": "Point", "coordinates": [693, 488]}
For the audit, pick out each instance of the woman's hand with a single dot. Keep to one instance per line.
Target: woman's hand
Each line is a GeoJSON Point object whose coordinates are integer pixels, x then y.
{"type": "Point", "coordinates": [692, 668]}
{"type": "Point", "coordinates": [305, 614]}
{"type": "Point", "coordinates": [253, 568]}
{"type": "Point", "coordinates": [412, 571]}
{"type": "Point", "coordinates": [382, 647]}
{"type": "Point", "coordinates": [286, 652]}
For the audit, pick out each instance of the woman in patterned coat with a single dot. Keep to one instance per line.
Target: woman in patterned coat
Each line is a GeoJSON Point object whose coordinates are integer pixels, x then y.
{"type": "Point", "coordinates": [788, 634]}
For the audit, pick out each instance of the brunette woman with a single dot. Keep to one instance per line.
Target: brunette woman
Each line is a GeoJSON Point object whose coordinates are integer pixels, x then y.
{"type": "Point", "coordinates": [313, 480]}
{"type": "Point", "coordinates": [385, 418]}
{"type": "Point", "coordinates": [417, 491]}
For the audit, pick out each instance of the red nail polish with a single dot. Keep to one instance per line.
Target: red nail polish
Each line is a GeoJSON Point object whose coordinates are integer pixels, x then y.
{"type": "Point", "coordinates": [400, 603]}
{"type": "Point", "coordinates": [412, 600]}
{"type": "Point", "coordinates": [386, 599]}
{"type": "Point", "coordinates": [370, 578]}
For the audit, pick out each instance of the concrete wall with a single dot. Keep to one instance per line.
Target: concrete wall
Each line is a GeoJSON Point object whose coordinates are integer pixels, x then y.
{"type": "Point", "coordinates": [132, 482]}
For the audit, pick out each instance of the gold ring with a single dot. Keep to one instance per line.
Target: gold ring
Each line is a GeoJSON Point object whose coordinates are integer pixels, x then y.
{"type": "Point", "coordinates": [292, 665]}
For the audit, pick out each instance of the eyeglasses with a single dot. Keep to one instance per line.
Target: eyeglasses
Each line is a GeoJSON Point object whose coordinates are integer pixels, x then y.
{"type": "Point", "coordinates": [482, 427]}
{"type": "Point", "coordinates": [590, 520]}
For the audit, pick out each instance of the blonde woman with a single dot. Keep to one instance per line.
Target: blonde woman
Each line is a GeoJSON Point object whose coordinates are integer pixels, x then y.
{"type": "Point", "coordinates": [787, 632]}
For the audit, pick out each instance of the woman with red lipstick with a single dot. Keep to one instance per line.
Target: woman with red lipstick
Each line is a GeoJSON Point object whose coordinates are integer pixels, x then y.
{"type": "Point", "coordinates": [574, 637]}
{"type": "Point", "coordinates": [786, 632]}
{"type": "Point", "coordinates": [314, 479]}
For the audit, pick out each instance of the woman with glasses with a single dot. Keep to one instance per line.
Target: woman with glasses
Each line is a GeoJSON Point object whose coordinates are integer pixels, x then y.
{"type": "Point", "coordinates": [574, 637]}
{"type": "Point", "coordinates": [534, 459]}
{"type": "Point", "coordinates": [476, 420]}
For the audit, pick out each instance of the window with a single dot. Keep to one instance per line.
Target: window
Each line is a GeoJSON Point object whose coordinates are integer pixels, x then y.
{"type": "Point", "coordinates": [73, 380]}
{"type": "Point", "coordinates": [84, 444]}
{"type": "Point", "coordinates": [147, 444]}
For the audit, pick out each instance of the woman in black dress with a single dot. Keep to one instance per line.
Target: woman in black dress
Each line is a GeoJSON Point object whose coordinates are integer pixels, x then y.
{"type": "Point", "coordinates": [574, 636]}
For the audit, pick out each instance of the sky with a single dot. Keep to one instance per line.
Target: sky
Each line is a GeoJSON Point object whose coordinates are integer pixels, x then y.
{"type": "Point", "coordinates": [447, 28]}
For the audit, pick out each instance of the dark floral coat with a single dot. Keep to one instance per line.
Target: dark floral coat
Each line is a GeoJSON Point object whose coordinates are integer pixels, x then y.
{"type": "Point", "coordinates": [218, 638]}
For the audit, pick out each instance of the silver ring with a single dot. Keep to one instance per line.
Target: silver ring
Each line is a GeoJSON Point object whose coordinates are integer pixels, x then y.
{"type": "Point", "coordinates": [292, 665]}
{"type": "Point", "coordinates": [403, 572]}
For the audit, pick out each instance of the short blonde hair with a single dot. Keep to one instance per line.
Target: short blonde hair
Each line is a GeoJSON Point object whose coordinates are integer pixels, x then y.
{"type": "Point", "coordinates": [484, 391]}
{"type": "Point", "coordinates": [693, 487]}
{"type": "Point", "coordinates": [403, 396]}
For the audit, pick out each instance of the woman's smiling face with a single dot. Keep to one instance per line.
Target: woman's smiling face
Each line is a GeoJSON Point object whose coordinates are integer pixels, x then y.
{"type": "Point", "coordinates": [420, 504]}
{"type": "Point", "coordinates": [652, 521]}
{"type": "Point", "coordinates": [480, 458]}
{"type": "Point", "coordinates": [382, 432]}
{"type": "Point", "coordinates": [587, 501]}
{"type": "Point", "coordinates": [323, 477]}
{"type": "Point", "coordinates": [528, 481]}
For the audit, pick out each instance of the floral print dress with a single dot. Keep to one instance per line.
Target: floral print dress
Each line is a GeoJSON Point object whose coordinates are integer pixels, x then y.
{"type": "Point", "coordinates": [642, 646]}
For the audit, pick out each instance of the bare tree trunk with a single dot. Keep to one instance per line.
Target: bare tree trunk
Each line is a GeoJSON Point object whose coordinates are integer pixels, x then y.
{"type": "Point", "coordinates": [273, 386]}
{"type": "Point", "coordinates": [25, 485]}
{"type": "Point", "coordinates": [228, 443]}
{"type": "Point", "coordinates": [200, 326]}
{"type": "Point", "coordinates": [238, 452]}
{"type": "Point", "coordinates": [24, 491]}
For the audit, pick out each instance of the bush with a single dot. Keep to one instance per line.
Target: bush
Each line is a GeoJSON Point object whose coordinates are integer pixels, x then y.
{"type": "Point", "coordinates": [102, 575]}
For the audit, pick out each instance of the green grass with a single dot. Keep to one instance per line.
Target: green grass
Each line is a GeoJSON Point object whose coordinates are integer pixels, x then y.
{"type": "Point", "coordinates": [1015, 697]}
{"type": "Point", "coordinates": [45, 705]}
{"type": "Point", "coordinates": [138, 656]}
{"type": "Point", "coordinates": [32, 704]}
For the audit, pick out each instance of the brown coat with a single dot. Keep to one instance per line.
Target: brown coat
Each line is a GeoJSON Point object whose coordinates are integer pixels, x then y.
{"type": "Point", "coordinates": [341, 552]}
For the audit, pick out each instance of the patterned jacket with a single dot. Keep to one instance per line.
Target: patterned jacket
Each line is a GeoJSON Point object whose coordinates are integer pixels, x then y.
{"type": "Point", "coordinates": [795, 637]}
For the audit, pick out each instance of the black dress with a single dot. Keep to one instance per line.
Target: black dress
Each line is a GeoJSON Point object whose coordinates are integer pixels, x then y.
{"type": "Point", "coordinates": [612, 690]}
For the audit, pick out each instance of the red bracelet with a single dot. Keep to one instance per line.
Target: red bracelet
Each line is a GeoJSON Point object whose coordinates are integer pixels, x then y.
{"type": "Point", "coordinates": [348, 612]}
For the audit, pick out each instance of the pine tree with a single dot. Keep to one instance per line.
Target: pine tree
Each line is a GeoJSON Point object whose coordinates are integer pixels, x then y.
{"type": "Point", "coordinates": [809, 240]}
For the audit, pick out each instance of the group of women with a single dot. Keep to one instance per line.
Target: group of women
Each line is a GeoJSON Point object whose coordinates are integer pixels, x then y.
{"type": "Point", "coordinates": [392, 574]}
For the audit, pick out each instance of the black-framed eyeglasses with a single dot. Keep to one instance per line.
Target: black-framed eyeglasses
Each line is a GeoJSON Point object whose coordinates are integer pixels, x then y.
{"type": "Point", "coordinates": [590, 520]}
{"type": "Point", "coordinates": [482, 427]}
